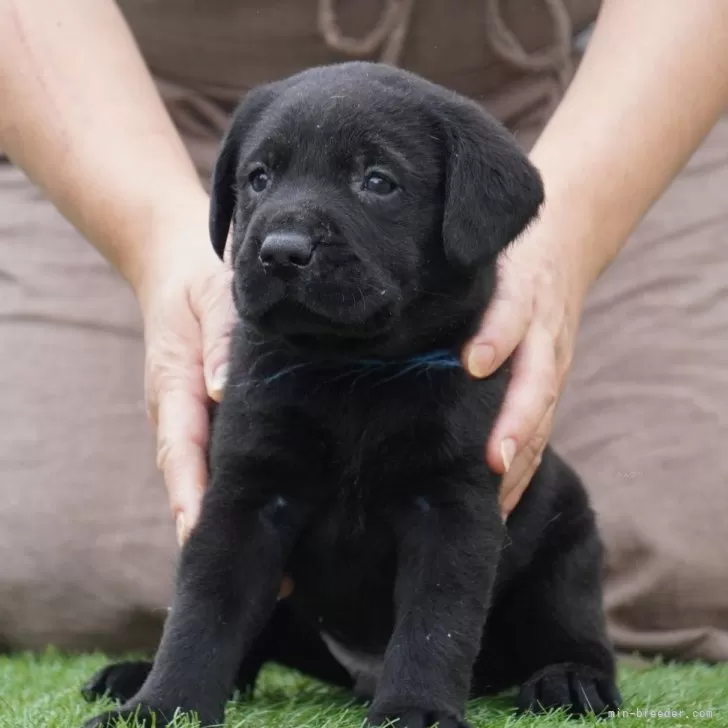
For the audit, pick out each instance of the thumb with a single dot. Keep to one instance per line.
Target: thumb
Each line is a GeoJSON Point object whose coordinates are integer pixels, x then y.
{"type": "Point", "coordinates": [503, 327]}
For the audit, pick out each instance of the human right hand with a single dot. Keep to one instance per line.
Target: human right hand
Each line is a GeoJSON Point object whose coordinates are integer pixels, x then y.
{"type": "Point", "coordinates": [188, 315]}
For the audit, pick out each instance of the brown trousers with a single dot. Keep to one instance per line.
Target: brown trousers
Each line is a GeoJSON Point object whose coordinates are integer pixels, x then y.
{"type": "Point", "coordinates": [87, 547]}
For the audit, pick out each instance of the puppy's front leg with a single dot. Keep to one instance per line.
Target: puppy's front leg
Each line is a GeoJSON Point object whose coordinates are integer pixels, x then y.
{"type": "Point", "coordinates": [448, 554]}
{"type": "Point", "coordinates": [229, 575]}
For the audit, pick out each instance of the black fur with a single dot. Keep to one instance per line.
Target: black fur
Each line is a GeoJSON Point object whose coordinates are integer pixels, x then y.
{"type": "Point", "coordinates": [365, 480]}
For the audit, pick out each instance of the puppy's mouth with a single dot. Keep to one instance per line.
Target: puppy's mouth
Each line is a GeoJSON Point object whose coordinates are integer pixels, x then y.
{"type": "Point", "coordinates": [334, 302]}
{"type": "Point", "coordinates": [309, 329]}
{"type": "Point", "coordinates": [318, 311]}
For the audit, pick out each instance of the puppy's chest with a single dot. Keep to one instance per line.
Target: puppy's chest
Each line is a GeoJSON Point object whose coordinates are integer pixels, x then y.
{"type": "Point", "coordinates": [375, 449]}
{"type": "Point", "coordinates": [379, 461]}
{"type": "Point", "coordinates": [361, 451]}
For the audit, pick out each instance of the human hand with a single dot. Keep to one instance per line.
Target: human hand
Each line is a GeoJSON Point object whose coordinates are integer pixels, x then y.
{"type": "Point", "coordinates": [533, 318]}
{"type": "Point", "coordinates": [188, 315]}
{"type": "Point", "coordinates": [186, 300]}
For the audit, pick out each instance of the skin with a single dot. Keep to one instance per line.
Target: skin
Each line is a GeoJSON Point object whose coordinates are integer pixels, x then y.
{"type": "Point", "coordinates": [652, 84]}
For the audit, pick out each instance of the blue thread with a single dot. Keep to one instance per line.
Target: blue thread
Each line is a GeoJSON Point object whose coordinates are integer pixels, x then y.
{"type": "Point", "coordinates": [423, 504]}
{"type": "Point", "coordinates": [283, 372]}
{"type": "Point", "coordinates": [439, 359]}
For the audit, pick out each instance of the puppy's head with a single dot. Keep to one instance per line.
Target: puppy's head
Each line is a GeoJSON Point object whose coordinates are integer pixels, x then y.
{"type": "Point", "coordinates": [368, 207]}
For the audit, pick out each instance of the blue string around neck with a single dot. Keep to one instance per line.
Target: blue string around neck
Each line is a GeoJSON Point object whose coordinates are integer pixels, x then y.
{"type": "Point", "coordinates": [434, 360]}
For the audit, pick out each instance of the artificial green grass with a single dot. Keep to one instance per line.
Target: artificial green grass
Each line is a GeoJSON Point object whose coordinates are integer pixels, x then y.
{"type": "Point", "coordinates": [42, 691]}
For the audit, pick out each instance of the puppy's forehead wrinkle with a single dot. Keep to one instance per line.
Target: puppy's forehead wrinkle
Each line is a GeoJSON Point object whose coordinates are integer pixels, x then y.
{"type": "Point", "coordinates": [263, 147]}
{"type": "Point", "coordinates": [365, 117]}
{"type": "Point", "coordinates": [356, 140]}
{"type": "Point", "coordinates": [382, 151]}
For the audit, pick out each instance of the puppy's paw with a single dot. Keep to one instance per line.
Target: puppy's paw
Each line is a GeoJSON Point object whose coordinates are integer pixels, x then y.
{"type": "Point", "coordinates": [119, 681]}
{"type": "Point", "coordinates": [143, 714]}
{"type": "Point", "coordinates": [578, 689]}
{"type": "Point", "coordinates": [414, 718]}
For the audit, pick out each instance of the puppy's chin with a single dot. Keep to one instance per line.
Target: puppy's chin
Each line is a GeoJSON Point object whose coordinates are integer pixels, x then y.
{"type": "Point", "coordinates": [311, 332]}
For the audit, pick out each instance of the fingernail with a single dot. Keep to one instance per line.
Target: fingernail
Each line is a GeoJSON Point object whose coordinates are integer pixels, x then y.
{"type": "Point", "coordinates": [219, 378]}
{"type": "Point", "coordinates": [286, 588]}
{"type": "Point", "coordinates": [181, 529]}
{"type": "Point", "coordinates": [480, 361]}
{"type": "Point", "coordinates": [508, 452]}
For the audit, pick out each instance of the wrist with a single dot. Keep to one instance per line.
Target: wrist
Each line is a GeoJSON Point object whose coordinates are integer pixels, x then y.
{"type": "Point", "coordinates": [172, 243]}
{"type": "Point", "coordinates": [573, 227]}
{"type": "Point", "coordinates": [569, 238]}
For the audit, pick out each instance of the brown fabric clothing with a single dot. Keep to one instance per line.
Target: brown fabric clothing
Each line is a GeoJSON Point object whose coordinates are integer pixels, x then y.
{"type": "Point", "coordinates": [237, 44]}
{"type": "Point", "coordinates": [87, 546]}
{"type": "Point", "coordinates": [644, 418]}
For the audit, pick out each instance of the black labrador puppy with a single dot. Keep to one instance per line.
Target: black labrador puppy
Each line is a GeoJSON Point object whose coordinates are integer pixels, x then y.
{"type": "Point", "coordinates": [368, 207]}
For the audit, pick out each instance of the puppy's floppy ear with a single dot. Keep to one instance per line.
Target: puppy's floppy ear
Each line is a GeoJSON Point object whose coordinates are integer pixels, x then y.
{"type": "Point", "coordinates": [223, 194]}
{"type": "Point", "coordinates": [492, 189]}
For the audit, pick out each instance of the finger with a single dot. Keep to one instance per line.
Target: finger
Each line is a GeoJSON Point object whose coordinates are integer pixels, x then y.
{"type": "Point", "coordinates": [531, 392]}
{"type": "Point", "coordinates": [513, 496]}
{"type": "Point", "coordinates": [518, 477]}
{"type": "Point", "coordinates": [286, 588]}
{"type": "Point", "coordinates": [215, 311]}
{"type": "Point", "coordinates": [181, 434]}
{"type": "Point", "coordinates": [504, 325]}
{"type": "Point", "coordinates": [150, 396]}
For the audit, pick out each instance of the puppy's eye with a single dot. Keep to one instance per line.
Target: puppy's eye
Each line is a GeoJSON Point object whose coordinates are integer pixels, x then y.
{"type": "Point", "coordinates": [258, 179]}
{"type": "Point", "coordinates": [378, 183]}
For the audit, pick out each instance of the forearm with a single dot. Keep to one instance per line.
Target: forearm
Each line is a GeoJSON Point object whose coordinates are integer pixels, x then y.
{"type": "Point", "coordinates": [81, 115]}
{"type": "Point", "coordinates": [653, 82]}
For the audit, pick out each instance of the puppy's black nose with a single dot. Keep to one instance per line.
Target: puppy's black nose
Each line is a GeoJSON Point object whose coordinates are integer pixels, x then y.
{"type": "Point", "coordinates": [286, 250]}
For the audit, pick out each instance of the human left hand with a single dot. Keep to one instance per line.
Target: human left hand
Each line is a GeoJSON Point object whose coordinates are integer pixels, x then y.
{"type": "Point", "coordinates": [532, 318]}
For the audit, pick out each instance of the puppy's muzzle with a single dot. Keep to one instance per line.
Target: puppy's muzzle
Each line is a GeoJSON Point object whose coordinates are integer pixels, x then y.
{"type": "Point", "coordinates": [282, 253]}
